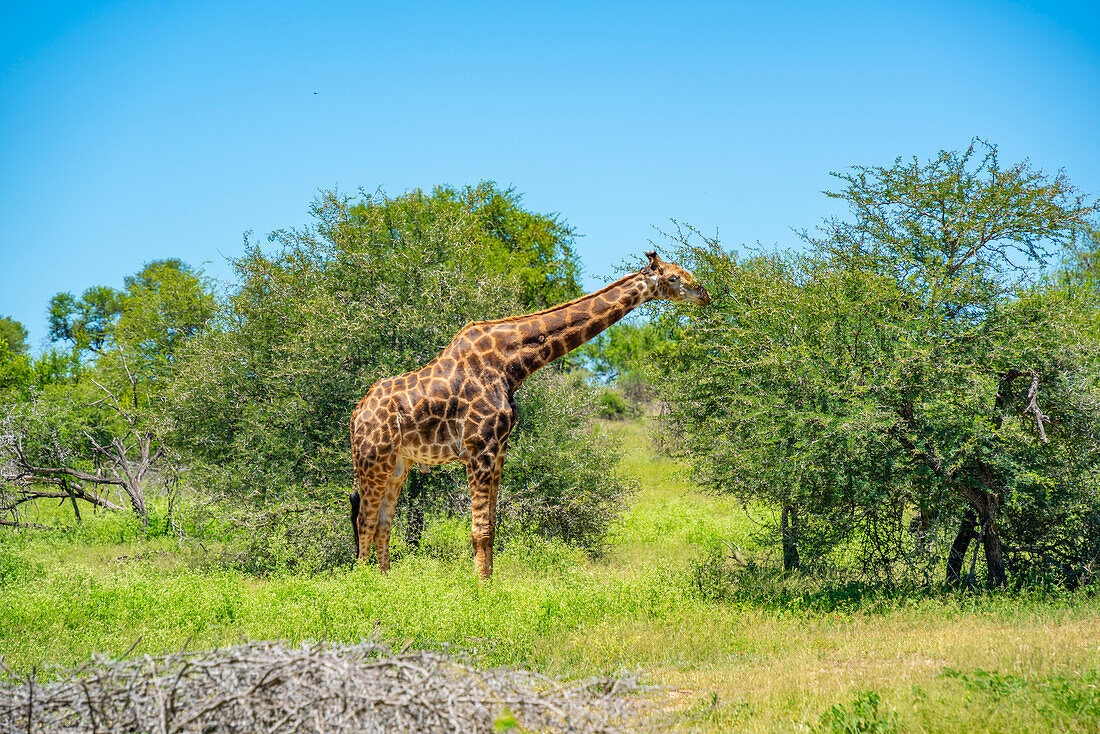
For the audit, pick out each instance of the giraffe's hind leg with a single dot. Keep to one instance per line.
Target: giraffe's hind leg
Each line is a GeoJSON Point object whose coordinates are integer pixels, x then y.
{"type": "Point", "coordinates": [370, 502]}
{"type": "Point", "coordinates": [385, 513]}
{"type": "Point", "coordinates": [374, 440]}
{"type": "Point", "coordinates": [373, 473]}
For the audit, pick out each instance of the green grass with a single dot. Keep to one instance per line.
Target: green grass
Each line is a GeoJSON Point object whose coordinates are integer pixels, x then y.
{"type": "Point", "coordinates": [670, 517]}
{"type": "Point", "coordinates": [752, 650]}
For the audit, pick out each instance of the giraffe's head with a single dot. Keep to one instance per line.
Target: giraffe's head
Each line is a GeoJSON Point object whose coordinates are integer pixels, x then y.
{"type": "Point", "coordinates": [672, 282]}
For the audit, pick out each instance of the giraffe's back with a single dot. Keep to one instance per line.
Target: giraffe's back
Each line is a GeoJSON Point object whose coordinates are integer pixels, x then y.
{"type": "Point", "coordinates": [423, 412]}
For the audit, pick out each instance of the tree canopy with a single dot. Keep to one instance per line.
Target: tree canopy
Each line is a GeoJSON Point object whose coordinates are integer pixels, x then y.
{"type": "Point", "coordinates": [13, 335]}
{"type": "Point", "coordinates": [915, 365]}
{"type": "Point", "coordinates": [376, 286]}
{"type": "Point", "coordinates": [84, 323]}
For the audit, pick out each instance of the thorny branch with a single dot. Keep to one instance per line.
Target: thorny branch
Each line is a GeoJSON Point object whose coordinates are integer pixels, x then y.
{"type": "Point", "coordinates": [1033, 407]}
{"type": "Point", "coordinates": [267, 686]}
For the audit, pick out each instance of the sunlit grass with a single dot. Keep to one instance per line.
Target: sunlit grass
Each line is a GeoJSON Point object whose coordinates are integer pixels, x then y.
{"type": "Point", "coordinates": [670, 518]}
{"type": "Point", "coordinates": [771, 653]}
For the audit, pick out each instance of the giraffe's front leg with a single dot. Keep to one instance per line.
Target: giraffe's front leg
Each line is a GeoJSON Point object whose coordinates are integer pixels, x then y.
{"type": "Point", "coordinates": [483, 473]}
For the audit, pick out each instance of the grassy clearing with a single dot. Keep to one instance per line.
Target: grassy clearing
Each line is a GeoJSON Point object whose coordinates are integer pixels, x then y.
{"type": "Point", "coordinates": [772, 653]}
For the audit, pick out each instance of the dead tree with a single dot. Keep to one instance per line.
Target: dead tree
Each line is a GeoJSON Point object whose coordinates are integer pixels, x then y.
{"type": "Point", "coordinates": [122, 459]}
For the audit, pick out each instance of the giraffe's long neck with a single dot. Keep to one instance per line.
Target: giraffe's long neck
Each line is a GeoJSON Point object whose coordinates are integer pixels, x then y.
{"type": "Point", "coordinates": [540, 338]}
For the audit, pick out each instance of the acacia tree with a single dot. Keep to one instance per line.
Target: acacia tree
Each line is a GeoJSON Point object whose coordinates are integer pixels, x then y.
{"type": "Point", "coordinates": [913, 359]}
{"type": "Point", "coordinates": [84, 323]}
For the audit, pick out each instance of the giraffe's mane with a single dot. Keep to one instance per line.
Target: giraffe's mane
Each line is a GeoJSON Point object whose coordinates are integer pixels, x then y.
{"type": "Point", "coordinates": [552, 309]}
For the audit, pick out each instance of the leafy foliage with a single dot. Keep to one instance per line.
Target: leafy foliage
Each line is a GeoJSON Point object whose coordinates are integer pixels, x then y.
{"type": "Point", "coordinates": [562, 479]}
{"type": "Point", "coordinates": [376, 287]}
{"type": "Point", "coordinates": [13, 336]}
{"type": "Point", "coordinates": [910, 362]}
{"type": "Point", "coordinates": [536, 249]}
{"type": "Point", "coordinates": [85, 323]}
{"type": "Point", "coordinates": [865, 713]}
{"type": "Point", "coordinates": [623, 349]}
{"type": "Point", "coordinates": [163, 305]}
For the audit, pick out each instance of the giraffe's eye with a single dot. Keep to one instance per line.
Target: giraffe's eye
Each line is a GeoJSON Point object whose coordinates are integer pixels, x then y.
{"type": "Point", "coordinates": [673, 278]}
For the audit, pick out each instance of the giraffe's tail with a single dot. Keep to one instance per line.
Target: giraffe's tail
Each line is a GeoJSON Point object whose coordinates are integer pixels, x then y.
{"type": "Point", "coordinates": [353, 499]}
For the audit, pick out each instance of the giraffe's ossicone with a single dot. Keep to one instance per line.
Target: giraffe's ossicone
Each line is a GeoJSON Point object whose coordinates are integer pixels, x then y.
{"type": "Point", "coordinates": [459, 406]}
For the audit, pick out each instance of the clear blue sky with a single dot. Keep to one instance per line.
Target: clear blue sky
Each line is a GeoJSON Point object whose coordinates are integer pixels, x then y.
{"type": "Point", "coordinates": [132, 131]}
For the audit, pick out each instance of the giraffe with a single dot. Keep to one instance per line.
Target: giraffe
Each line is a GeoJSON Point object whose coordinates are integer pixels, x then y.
{"type": "Point", "coordinates": [459, 406]}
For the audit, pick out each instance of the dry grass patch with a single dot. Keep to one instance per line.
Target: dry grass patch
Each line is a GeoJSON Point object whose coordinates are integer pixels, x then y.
{"type": "Point", "coordinates": [760, 672]}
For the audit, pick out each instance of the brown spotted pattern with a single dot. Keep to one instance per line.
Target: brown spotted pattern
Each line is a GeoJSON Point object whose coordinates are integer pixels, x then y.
{"type": "Point", "coordinates": [459, 406]}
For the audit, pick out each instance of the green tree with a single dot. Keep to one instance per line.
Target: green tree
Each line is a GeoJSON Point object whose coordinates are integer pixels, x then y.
{"type": "Point", "coordinates": [374, 287]}
{"type": "Point", "coordinates": [1081, 268]}
{"type": "Point", "coordinates": [14, 335]}
{"type": "Point", "coordinates": [15, 366]}
{"type": "Point", "coordinates": [163, 305]}
{"type": "Point", "coordinates": [537, 249]}
{"type": "Point", "coordinates": [914, 359]}
{"type": "Point", "coordinates": [623, 349]}
{"type": "Point", "coordinates": [72, 428]}
{"type": "Point", "coordinates": [85, 323]}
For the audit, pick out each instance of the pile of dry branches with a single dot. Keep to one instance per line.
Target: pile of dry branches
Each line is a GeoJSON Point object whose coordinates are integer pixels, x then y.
{"type": "Point", "coordinates": [271, 687]}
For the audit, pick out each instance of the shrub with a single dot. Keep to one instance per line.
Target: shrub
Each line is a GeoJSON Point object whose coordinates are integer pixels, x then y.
{"type": "Point", "coordinates": [612, 405]}
{"type": "Point", "coordinates": [306, 532]}
{"type": "Point", "coordinates": [864, 715]}
{"type": "Point", "coordinates": [562, 479]}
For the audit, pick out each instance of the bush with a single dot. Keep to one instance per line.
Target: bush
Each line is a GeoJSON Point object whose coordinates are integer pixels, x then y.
{"type": "Point", "coordinates": [636, 388]}
{"type": "Point", "coordinates": [863, 715]}
{"type": "Point", "coordinates": [561, 479]}
{"type": "Point", "coordinates": [610, 404]}
{"type": "Point", "coordinates": [308, 532]}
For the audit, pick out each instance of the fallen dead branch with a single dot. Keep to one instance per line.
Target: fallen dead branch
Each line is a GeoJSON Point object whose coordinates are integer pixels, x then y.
{"type": "Point", "coordinates": [272, 687]}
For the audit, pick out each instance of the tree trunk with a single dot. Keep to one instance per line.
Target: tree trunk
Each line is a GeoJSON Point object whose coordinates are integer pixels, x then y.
{"type": "Point", "coordinates": [72, 497]}
{"type": "Point", "coordinates": [994, 563]}
{"type": "Point", "coordinates": [957, 557]}
{"type": "Point", "coordinates": [986, 504]}
{"type": "Point", "coordinates": [789, 528]}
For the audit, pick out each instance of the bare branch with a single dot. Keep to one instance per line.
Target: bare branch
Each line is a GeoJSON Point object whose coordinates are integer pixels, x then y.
{"type": "Point", "coordinates": [315, 687]}
{"type": "Point", "coordinates": [1033, 407]}
{"type": "Point", "coordinates": [16, 524]}
{"type": "Point", "coordinates": [49, 471]}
